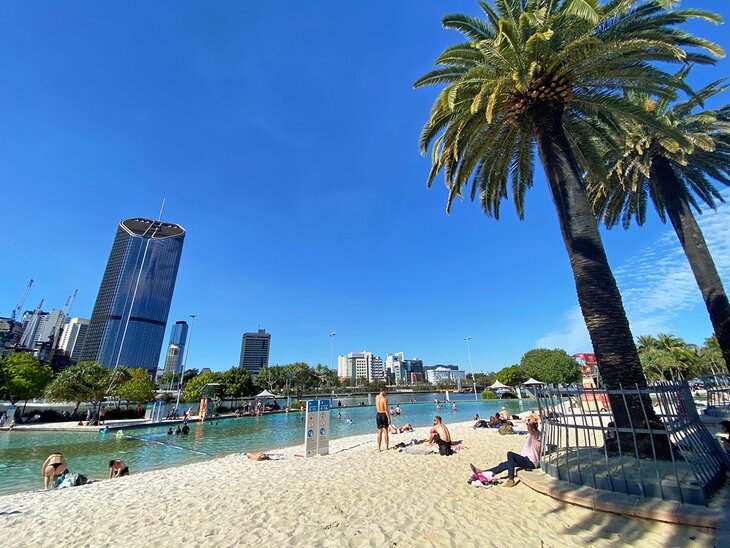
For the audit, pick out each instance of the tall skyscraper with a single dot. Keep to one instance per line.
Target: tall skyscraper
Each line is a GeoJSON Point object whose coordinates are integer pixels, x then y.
{"type": "Point", "coordinates": [73, 337]}
{"type": "Point", "coordinates": [128, 322]}
{"type": "Point", "coordinates": [42, 327]}
{"type": "Point", "coordinates": [255, 351]}
{"type": "Point", "coordinates": [176, 348]}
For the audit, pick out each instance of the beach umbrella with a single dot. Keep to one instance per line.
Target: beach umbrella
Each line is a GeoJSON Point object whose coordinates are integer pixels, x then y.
{"type": "Point", "coordinates": [531, 381]}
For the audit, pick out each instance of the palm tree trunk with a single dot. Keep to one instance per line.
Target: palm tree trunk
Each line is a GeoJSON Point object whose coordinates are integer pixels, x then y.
{"type": "Point", "coordinates": [598, 295]}
{"type": "Point", "coordinates": [695, 248]}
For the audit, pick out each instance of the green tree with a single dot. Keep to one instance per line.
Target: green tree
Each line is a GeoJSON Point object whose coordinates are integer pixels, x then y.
{"type": "Point", "coordinates": [237, 383]}
{"type": "Point", "coordinates": [709, 357]}
{"type": "Point", "coordinates": [666, 357]}
{"type": "Point", "coordinates": [511, 376]}
{"type": "Point", "coordinates": [190, 374]}
{"type": "Point", "coordinates": [85, 381]}
{"type": "Point", "coordinates": [675, 176]}
{"type": "Point", "coordinates": [529, 75]}
{"type": "Point", "coordinates": [194, 387]}
{"type": "Point", "coordinates": [550, 366]}
{"type": "Point", "coordinates": [24, 377]}
{"type": "Point", "coordinates": [137, 387]}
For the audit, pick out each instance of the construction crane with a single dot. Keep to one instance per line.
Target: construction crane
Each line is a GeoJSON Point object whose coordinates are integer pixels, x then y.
{"type": "Point", "coordinates": [21, 301]}
{"type": "Point", "coordinates": [69, 303]}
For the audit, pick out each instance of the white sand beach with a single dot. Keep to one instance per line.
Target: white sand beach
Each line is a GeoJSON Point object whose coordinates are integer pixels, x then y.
{"type": "Point", "coordinates": [353, 497]}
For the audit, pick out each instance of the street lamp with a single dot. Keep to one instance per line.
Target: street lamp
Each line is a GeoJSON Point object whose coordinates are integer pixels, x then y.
{"type": "Point", "coordinates": [473, 378]}
{"type": "Point", "coordinates": [332, 348]}
{"type": "Point", "coordinates": [185, 361]}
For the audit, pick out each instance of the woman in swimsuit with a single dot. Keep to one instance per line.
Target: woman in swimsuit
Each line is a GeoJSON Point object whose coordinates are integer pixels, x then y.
{"type": "Point", "coordinates": [53, 467]}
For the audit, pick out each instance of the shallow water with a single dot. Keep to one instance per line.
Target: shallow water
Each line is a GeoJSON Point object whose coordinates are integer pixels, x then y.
{"type": "Point", "coordinates": [23, 453]}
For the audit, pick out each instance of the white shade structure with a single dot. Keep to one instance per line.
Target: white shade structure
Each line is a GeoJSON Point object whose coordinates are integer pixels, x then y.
{"type": "Point", "coordinates": [265, 394]}
{"type": "Point", "coordinates": [498, 384]}
{"type": "Point", "coordinates": [531, 382]}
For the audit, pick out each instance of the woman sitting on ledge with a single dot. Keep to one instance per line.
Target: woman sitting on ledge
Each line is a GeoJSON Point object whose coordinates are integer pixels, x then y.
{"type": "Point", "coordinates": [529, 459]}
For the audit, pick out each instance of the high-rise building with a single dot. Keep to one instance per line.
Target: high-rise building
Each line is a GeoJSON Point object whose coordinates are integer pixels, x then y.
{"type": "Point", "coordinates": [128, 322]}
{"type": "Point", "coordinates": [10, 333]}
{"type": "Point", "coordinates": [178, 338]}
{"type": "Point", "coordinates": [255, 351]}
{"type": "Point", "coordinates": [73, 337]}
{"type": "Point", "coordinates": [173, 357]}
{"type": "Point", "coordinates": [360, 365]}
{"type": "Point", "coordinates": [401, 370]}
{"type": "Point", "coordinates": [42, 327]}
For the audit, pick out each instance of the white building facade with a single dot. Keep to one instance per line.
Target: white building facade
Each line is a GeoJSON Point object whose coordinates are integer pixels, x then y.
{"type": "Point", "coordinates": [360, 365]}
{"type": "Point", "coordinates": [444, 374]}
{"type": "Point", "coordinates": [73, 337]}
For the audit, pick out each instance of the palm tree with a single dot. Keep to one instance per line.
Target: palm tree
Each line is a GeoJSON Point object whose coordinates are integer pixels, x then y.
{"type": "Point", "coordinates": [675, 177]}
{"type": "Point", "coordinates": [531, 73]}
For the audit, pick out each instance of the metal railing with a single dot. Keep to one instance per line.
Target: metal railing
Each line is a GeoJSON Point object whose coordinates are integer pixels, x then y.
{"type": "Point", "coordinates": [654, 446]}
{"type": "Point", "coordinates": [718, 395]}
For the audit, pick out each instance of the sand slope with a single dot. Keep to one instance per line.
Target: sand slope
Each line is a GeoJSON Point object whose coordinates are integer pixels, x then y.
{"type": "Point", "coordinates": [353, 497]}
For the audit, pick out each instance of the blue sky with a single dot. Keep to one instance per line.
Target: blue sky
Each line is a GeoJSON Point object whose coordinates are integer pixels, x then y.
{"type": "Point", "coordinates": [284, 137]}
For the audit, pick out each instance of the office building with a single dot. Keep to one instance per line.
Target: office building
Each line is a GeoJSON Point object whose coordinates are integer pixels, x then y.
{"type": "Point", "coordinates": [42, 327]}
{"type": "Point", "coordinates": [176, 348]}
{"type": "Point", "coordinates": [10, 333]}
{"type": "Point", "coordinates": [128, 322]}
{"type": "Point", "coordinates": [400, 370]}
{"type": "Point", "coordinates": [444, 373]}
{"type": "Point", "coordinates": [73, 337]}
{"type": "Point", "coordinates": [172, 359]}
{"type": "Point", "coordinates": [360, 365]}
{"type": "Point", "coordinates": [255, 351]}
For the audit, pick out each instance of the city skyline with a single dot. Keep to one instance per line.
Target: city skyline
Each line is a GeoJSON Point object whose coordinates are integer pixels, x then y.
{"type": "Point", "coordinates": [304, 214]}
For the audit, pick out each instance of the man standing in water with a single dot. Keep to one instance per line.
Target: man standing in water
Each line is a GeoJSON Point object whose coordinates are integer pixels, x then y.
{"type": "Point", "coordinates": [381, 418]}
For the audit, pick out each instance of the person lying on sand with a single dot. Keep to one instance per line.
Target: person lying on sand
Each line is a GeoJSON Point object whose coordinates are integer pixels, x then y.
{"type": "Point", "coordinates": [53, 467]}
{"type": "Point", "coordinates": [400, 429]}
{"type": "Point", "coordinates": [264, 456]}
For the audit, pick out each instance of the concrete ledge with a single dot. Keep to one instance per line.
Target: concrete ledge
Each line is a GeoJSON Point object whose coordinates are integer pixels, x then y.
{"type": "Point", "coordinates": [628, 505]}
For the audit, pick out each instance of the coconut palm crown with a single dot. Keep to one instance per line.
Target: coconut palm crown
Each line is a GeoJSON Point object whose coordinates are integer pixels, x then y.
{"type": "Point", "coordinates": [675, 177]}
{"type": "Point", "coordinates": [534, 73]}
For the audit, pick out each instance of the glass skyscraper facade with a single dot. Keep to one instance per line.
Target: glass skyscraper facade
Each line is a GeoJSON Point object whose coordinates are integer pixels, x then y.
{"type": "Point", "coordinates": [178, 337]}
{"type": "Point", "coordinates": [127, 325]}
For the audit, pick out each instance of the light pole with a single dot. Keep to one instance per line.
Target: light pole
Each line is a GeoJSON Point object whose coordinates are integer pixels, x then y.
{"type": "Point", "coordinates": [185, 361]}
{"type": "Point", "coordinates": [332, 348]}
{"type": "Point", "coordinates": [473, 378]}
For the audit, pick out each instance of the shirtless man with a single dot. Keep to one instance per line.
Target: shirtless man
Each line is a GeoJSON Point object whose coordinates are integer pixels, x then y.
{"type": "Point", "coordinates": [117, 469]}
{"type": "Point", "coordinates": [53, 467]}
{"type": "Point", "coordinates": [382, 419]}
{"type": "Point", "coordinates": [440, 434]}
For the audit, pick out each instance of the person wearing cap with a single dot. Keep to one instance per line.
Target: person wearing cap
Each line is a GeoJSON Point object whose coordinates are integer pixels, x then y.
{"type": "Point", "coordinates": [504, 414]}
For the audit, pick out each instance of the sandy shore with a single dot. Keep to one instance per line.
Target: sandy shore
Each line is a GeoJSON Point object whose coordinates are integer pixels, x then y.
{"type": "Point", "coordinates": [353, 497]}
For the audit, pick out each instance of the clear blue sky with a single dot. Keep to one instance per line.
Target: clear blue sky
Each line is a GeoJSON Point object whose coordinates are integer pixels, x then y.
{"type": "Point", "coordinates": [284, 136]}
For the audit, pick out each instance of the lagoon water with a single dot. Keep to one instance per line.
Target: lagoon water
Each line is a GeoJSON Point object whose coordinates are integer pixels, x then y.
{"type": "Point", "coordinates": [148, 448]}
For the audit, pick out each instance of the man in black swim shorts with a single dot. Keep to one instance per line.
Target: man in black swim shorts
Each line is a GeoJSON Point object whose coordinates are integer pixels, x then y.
{"type": "Point", "coordinates": [117, 469]}
{"type": "Point", "coordinates": [440, 434]}
{"type": "Point", "coordinates": [382, 419]}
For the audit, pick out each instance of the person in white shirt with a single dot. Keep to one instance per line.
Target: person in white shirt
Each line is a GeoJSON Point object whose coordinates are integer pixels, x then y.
{"type": "Point", "coordinates": [529, 458]}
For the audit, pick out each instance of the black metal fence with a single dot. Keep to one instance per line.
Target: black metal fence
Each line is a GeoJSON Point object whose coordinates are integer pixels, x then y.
{"type": "Point", "coordinates": [658, 447]}
{"type": "Point", "coordinates": [718, 395]}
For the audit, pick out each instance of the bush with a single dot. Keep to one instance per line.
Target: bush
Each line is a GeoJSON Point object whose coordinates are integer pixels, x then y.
{"type": "Point", "coordinates": [489, 395]}
{"type": "Point", "coordinates": [114, 413]}
{"type": "Point", "coordinates": [509, 396]}
{"type": "Point", "coordinates": [297, 405]}
{"type": "Point", "coordinates": [47, 415]}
